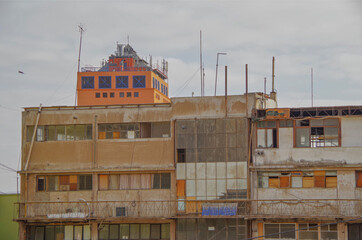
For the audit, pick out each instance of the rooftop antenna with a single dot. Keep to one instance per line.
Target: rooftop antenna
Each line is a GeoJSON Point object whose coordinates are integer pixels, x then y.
{"type": "Point", "coordinates": [311, 79]}
{"type": "Point", "coordinates": [81, 30]}
{"type": "Point", "coordinates": [202, 85]}
{"type": "Point", "coordinates": [217, 65]}
{"type": "Point", "coordinates": [127, 39]}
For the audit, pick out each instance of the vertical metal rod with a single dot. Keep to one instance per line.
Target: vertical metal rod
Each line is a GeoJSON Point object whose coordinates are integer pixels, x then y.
{"type": "Point", "coordinates": [246, 90]}
{"type": "Point", "coordinates": [226, 91]}
{"type": "Point", "coordinates": [201, 64]}
{"type": "Point", "coordinates": [217, 64]}
{"type": "Point", "coordinates": [264, 97]}
{"type": "Point", "coordinates": [81, 30]}
{"type": "Point", "coordinates": [273, 74]}
{"type": "Point", "coordinates": [311, 77]}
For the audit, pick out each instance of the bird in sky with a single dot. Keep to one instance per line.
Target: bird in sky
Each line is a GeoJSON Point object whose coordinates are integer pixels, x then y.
{"type": "Point", "coordinates": [20, 72]}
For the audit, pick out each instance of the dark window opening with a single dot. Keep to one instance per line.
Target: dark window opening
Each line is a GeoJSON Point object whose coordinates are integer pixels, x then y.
{"type": "Point", "coordinates": [87, 82]}
{"type": "Point", "coordinates": [98, 95]}
{"type": "Point", "coordinates": [121, 94]}
{"type": "Point", "coordinates": [139, 81]}
{"type": "Point", "coordinates": [105, 95]}
{"type": "Point", "coordinates": [129, 94]}
{"type": "Point", "coordinates": [111, 95]}
{"type": "Point", "coordinates": [181, 155]}
{"type": "Point", "coordinates": [136, 94]}
{"type": "Point", "coordinates": [41, 184]}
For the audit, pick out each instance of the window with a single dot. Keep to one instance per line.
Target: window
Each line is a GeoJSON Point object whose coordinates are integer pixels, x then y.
{"type": "Point", "coordinates": [104, 82]}
{"type": "Point", "coordinates": [181, 155]}
{"type": "Point", "coordinates": [279, 231]}
{"type": "Point", "coordinates": [358, 178]}
{"type": "Point", "coordinates": [121, 94]}
{"type": "Point", "coordinates": [308, 231]}
{"type": "Point", "coordinates": [134, 231]}
{"type": "Point", "coordinates": [105, 94]}
{"type": "Point", "coordinates": [61, 132]}
{"type": "Point", "coordinates": [166, 91]}
{"type": "Point", "coordinates": [129, 94]}
{"type": "Point", "coordinates": [55, 232]}
{"type": "Point", "coordinates": [317, 133]}
{"type": "Point", "coordinates": [267, 134]}
{"type": "Point", "coordinates": [98, 95]}
{"type": "Point", "coordinates": [133, 130]}
{"type": "Point", "coordinates": [41, 184]}
{"type": "Point", "coordinates": [136, 94]}
{"type": "Point", "coordinates": [295, 179]}
{"type": "Point", "coordinates": [121, 81]}
{"type": "Point", "coordinates": [162, 181]}
{"type": "Point", "coordinates": [111, 95]}
{"type": "Point", "coordinates": [87, 82]}
{"type": "Point", "coordinates": [64, 183]}
{"type": "Point", "coordinates": [158, 85]}
{"type": "Point", "coordinates": [139, 81]}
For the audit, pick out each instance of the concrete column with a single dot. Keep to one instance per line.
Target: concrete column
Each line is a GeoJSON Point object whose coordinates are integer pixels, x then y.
{"type": "Point", "coordinates": [94, 231]}
{"type": "Point", "coordinates": [173, 230]}
{"type": "Point", "coordinates": [342, 229]}
{"type": "Point", "coordinates": [22, 231]}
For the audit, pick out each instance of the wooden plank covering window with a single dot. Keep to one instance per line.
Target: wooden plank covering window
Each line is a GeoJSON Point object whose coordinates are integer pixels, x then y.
{"type": "Point", "coordinates": [73, 183]}
{"type": "Point", "coordinates": [181, 188]}
{"type": "Point", "coordinates": [146, 181]}
{"type": "Point", "coordinates": [124, 181]}
{"type": "Point", "coordinates": [308, 182]}
{"type": "Point", "coordinates": [359, 178]}
{"type": "Point", "coordinates": [320, 181]}
{"type": "Point", "coordinates": [101, 135]}
{"type": "Point", "coordinates": [135, 181]}
{"type": "Point", "coordinates": [273, 182]}
{"type": "Point", "coordinates": [284, 181]}
{"type": "Point", "coordinates": [103, 182]}
{"type": "Point", "coordinates": [113, 182]}
{"type": "Point", "coordinates": [331, 182]}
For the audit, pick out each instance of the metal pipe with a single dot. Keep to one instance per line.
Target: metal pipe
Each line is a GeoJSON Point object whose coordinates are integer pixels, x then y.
{"type": "Point", "coordinates": [273, 74]}
{"type": "Point", "coordinates": [226, 91]}
{"type": "Point", "coordinates": [217, 65]}
{"type": "Point", "coordinates": [246, 90]}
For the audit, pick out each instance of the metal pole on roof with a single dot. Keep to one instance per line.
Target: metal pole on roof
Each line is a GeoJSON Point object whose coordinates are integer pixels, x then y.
{"type": "Point", "coordinates": [81, 30]}
{"type": "Point", "coordinates": [201, 91]}
{"type": "Point", "coordinates": [217, 66]}
{"type": "Point", "coordinates": [311, 78]}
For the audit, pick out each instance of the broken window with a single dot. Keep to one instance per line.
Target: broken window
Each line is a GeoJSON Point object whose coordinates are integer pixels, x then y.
{"type": "Point", "coordinates": [317, 133]}
{"type": "Point", "coordinates": [267, 134]}
{"type": "Point", "coordinates": [133, 130]}
{"type": "Point", "coordinates": [41, 184]}
{"type": "Point", "coordinates": [181, 155]}
{"type": "Point", "coordinates": [316, 179]}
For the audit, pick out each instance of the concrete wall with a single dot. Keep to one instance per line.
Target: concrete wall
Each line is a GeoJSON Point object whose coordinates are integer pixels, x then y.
{"type": "Point", "coordinates": [287, 155]}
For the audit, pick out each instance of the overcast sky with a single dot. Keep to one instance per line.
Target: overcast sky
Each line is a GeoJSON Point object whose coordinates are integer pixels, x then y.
{"type": "Point", "coordinates": [40, 38]}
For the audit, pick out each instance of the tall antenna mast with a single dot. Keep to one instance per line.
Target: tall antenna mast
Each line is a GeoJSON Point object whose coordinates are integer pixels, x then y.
{"type": "Point", "coordinates": [81, 30]}
{"type": "Point", "coordinates": [311, 79]}
{"type": "Point", "coordinates": [127, 39]}
{"type": "Point", "coordinates": [201, 74]}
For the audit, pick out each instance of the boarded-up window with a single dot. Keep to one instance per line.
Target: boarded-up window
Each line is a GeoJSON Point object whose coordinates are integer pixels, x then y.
{"type": "Point", "coordinates": [331, 182]}
{"type": "Point", "coordinates": [284, 181]}
{"type": "Point", "coordinates": [273, 182]}
{"type": "Point", "coordinates": [103, 182]}
{"type": "Point", "coordinates": [64, 183]}
{"type": "Point", "coordinates": [73, 183]}
{"type": "Point", "coordinates": [319, 181]}
{"type": "Point", "coordinates": [308, 182]}
{"type": "Point", "coordinates": [359, 178]}
{"type": "Point", "coordinates": [297, 182]}
{"type": "Point", "coordinates": [181, 188]}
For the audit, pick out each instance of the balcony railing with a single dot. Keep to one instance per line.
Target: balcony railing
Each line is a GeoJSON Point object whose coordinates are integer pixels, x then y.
{"type": "Point", "coordinates": [192, 208]}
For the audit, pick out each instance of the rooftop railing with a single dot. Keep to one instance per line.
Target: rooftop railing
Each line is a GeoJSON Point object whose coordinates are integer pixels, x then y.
{"type": "Point", "coordinates": [321, 208]}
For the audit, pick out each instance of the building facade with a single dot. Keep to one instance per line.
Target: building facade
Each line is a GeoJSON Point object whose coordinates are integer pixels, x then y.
{"type": "Point", "coordinates": [167, 171]}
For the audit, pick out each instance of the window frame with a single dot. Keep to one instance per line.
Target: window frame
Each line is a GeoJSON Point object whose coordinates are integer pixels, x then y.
{"type": "Point", "coordinates": [265, 128]}
{"type": "Point", "coordinates": [139, 81]}
{"type": "Point", "coordinates": [87, 82]}
{"type": "Point", "coordinates": [311, 140]}
{"type": "Point", "coordinates": [122, 82]}
{"type": "Point", "coordinates": [104, 82]}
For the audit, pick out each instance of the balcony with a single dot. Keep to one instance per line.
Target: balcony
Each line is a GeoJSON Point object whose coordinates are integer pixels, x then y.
{"type": "Point", "coordinates": [80, 211]}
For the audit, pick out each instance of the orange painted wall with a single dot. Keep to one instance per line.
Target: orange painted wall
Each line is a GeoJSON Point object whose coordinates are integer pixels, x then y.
{"type": "Point", "coordinates": [87, 97]}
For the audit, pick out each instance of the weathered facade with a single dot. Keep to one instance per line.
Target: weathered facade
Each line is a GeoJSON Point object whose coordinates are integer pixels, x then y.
{"type": "Point", "coordinates": [137, 171]}
{"type": "Point", "coordinates": [306, 173]}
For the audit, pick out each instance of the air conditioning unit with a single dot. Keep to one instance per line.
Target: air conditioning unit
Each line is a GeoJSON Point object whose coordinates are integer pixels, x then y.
{"type": "Point", "coordinates": [121, 212]}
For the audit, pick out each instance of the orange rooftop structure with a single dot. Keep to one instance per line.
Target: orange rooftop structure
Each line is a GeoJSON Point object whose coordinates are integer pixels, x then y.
{"type": "Point", "coordinates": [124, 79]}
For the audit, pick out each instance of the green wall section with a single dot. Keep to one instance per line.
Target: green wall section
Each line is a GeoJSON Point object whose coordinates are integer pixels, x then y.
{"type": "Point", "coordinates": [8, 228]}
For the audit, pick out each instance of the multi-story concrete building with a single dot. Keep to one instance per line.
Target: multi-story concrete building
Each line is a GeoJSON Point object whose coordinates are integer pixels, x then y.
{"type": "Point", "coordinates": [166, 171]}
{"type": "Point", "coordinates": [306, 173]}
